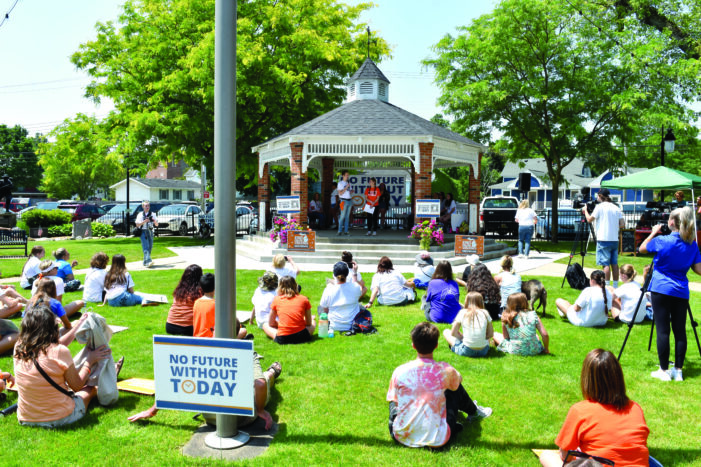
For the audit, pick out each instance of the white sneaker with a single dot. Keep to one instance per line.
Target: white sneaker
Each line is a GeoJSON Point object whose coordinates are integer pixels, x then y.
{"type": "Point", "coordinates": [369, 233]}
{"type": "Point", "coordinates": [482, 412]}
{"type": "Point", "coordinates": [661, 374]}
{"type": "Point", "coordinates": [374, 232]}
{"type": "Point", "coordinates": [676, 374]}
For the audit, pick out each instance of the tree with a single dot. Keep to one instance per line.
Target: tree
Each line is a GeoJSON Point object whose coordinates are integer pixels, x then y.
{"type": "Point", "coordinates": [157, 65]}
{"type": "Point", "coordinates": [548, 80]}
{"type": "Point", "coordinates": [80, 160]}
{"type": "Point", "coordinates": [18, 158]}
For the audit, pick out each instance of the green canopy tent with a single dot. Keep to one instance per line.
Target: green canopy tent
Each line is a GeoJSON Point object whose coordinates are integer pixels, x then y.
{"type": "Point", "coordinates": [659, 178]}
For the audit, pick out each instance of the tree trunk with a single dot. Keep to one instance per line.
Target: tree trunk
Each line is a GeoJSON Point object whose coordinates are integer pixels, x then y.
{"type": "Point", "coordinates": [554, 224]}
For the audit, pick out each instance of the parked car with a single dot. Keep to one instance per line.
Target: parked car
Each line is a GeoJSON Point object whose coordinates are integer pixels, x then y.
{"type": "Point", "coordinates": [115, 216]}
{"type": "Point", "coordinates": [47, 205]}
{"type": "Point", "coordinates": [497, 214]}
{"type": "Point", "coordinates": [246, 220]}
{"type": "Point", "coordinates": [181, 218]}
{"type": "Point", "coordinates": [14, 207]}
{"type": "Point", "coordinates": [108, 206]}
{"type": "Point", "coordinates": [86, 211]}
{"type": "Point", "coordinates": [567, 221]}
{"type": "Point", "coordinates": [19, 214]}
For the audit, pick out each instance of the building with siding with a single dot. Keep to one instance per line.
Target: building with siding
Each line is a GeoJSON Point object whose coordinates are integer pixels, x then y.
{"type": "Point", "coordinates": [155, 189]}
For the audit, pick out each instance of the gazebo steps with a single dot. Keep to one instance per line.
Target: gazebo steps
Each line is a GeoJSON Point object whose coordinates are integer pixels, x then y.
{"type": "Point", "coordinates": [365, 250]}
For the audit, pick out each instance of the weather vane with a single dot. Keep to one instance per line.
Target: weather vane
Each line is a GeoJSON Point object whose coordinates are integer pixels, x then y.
{"type": "Point", "coordinates": [374, 41]}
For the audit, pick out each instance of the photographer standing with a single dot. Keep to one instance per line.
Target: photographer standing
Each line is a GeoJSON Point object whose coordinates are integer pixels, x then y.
{"type": "Point", "coordinates": [146, 220]}
{"type": "Point", "coordinates": [609, 219]}
{"type": "Point", "coordinates": [669, 287]}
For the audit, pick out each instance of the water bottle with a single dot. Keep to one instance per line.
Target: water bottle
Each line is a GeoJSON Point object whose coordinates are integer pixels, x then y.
{"type": "Point", "coordinates": [324, 326]}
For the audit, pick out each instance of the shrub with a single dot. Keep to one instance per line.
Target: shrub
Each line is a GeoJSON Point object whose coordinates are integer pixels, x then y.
{"type": "Point", "coordinates": [65, 230]}
{"type": "Point", "coordinates": [23, 225]}
{"type": "Point", "coordinates": [44, 218]}
{"type": "Point", "coordinates": [102, 230]}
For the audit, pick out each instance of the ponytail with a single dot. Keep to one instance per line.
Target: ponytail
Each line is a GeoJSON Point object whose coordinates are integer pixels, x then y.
{"type": "Point", "coordinates": [598, 277]}
{"type": "Point", "coordinates": [684, 220]}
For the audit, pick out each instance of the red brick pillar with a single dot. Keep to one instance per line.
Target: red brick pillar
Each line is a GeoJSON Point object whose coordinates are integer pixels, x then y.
{"type": "Point", "coordinates": [422, 182]}
{"type": "Point", "coordinates": [326, 181]}
{"type": "Point", "coordinates": [264, 194]}
{"type": "Point", "coordinates": [412, 197]}
{"type": "Point", "coordinates": [474, 195]}
{"type": "Point", "coordinates": [299, 182]}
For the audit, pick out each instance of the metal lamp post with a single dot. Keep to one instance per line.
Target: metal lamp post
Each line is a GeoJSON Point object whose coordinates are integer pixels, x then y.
{"type": "Point", "coordinates": [666, 145]}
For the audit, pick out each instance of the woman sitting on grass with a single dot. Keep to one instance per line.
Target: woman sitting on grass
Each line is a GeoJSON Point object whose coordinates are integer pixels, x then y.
{"type": "Point", "coordinates": [592, 306]}
{"type": "Point", "coordinates": [30, 270]}
{"type": "Point", "coordinates": [627, 296]}
{"type": "Point", "coordinates": [180, 316]}
{"type": "Point", "coordinates": [263, 297]}
{"type": "Point", "coordinates": [65, 270]}
{"type": "Point", "coordinates": [119, 286]}
{"type": "Point", "coordinates": [476, 326]}
{"type": "Point", "coordinates": [290, 320]}
{"type": "Point", "coordinates": [46, 296]}
{"type": "Point", "coordinates": [508, 281]}
{"type": "Point", "coordinates": [519, 326]}
{"type": "Point", "coordinates": [606, 423]}
{"type": "Point", "coordinates": [389, 286]}
{"type": "Point", "coordinates": [94, 290]}
{"type": "Point", "coordinates": [481, 280]}
{"type": "Point", "coordinates": [44, 399]}
{"type": "Point", "coordinates": [442, 297]}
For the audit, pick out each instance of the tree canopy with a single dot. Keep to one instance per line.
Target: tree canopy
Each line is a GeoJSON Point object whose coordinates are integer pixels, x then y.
{"type": "Point", "coordinates": [18, 157]}
{"type": "Point", "coordinates": [157, 64]}
{"type": "Point", "coordinates": [80, 160]}
{"type": "Point", "coordinates": [553, 84]}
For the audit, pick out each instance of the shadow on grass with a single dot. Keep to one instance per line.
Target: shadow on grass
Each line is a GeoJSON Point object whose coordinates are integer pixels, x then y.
{"type": "Point", "coordinates": [332, 438]}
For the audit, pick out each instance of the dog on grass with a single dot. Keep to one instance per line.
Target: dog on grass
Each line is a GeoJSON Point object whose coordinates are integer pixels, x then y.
{"type": "Point", "coordinates": [534, 290]}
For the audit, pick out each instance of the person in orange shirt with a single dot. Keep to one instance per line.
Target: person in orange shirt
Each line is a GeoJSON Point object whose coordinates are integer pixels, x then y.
{"type": "Point", "coordinates": [290, 320]}
{"type": "Point", "coordinates": [372, 199]}
{"type": "Point", "coordinates": [606, 424]}
{"type": "Point", "coordinates": [203, 311]}
{"type": "Point", "coordinates": [179, 322]}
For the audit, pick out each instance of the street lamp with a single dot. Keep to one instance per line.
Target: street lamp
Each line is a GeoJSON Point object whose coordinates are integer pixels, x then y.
{"type": "Point", "coordinates": [666, 145]}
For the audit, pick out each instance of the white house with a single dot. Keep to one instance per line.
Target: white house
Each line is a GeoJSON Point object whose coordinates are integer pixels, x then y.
{"type": "Point", "coordinates": [155, 189]}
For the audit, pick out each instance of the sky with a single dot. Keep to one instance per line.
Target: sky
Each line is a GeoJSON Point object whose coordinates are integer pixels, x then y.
{"type": "Point", "coordinates": [40, 87]}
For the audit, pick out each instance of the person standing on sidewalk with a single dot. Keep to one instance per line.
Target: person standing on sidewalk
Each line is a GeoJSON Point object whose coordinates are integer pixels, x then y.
{"type": "Point", "coordinates": [345, 193]}
{"type": "Point", "coordinates": [146, 220]}
{"type": "Point", "coordinates": [527, 220]}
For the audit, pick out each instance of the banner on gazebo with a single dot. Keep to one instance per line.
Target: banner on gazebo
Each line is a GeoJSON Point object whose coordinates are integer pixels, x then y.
{"type": "Point", "coordinates": [395, 181]}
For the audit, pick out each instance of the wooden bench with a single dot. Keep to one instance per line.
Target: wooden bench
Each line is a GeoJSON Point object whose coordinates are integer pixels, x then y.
{"type": "Point", "coordinates": [13, 240]}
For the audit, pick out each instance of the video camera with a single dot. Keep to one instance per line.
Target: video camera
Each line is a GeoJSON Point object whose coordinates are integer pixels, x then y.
{"type": "Point", "coordinates": [581, 201]}
{"type": "Point", "coordinates": [657, 212]}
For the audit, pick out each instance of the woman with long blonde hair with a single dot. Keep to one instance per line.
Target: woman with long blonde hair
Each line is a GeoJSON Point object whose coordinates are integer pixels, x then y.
{"type": "Point", "coordinates": [675, 254]}
{"type": "Point", "coordinates": [476, 326]}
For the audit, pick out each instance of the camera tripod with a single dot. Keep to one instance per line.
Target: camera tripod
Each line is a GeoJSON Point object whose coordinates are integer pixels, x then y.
{"type": "Point", "coordinates": [643, 290]}
{"type": "Point", "coordinates": [581, 238]}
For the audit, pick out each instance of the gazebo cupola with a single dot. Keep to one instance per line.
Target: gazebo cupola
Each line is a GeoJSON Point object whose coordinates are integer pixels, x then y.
{"type": "Point", "coordinates": [368, 83]}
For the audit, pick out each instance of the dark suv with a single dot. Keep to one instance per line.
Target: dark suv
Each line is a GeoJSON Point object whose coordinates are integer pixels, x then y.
{"type": "Point", "coordinates": [85, 211]}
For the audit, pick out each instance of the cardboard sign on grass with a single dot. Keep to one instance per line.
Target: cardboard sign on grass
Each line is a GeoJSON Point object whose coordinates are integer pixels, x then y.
{"type": "Point", "coordinates": [203, 375]}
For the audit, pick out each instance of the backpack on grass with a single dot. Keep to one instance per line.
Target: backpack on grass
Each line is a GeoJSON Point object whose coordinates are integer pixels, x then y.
{"type": "Point", "coordinates": [576, 277]}
{"type": "Point", "coordinates": [362, 323]}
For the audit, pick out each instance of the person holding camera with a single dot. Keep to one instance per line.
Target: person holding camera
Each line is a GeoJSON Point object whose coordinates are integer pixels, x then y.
{"type": "Point", "coordinates": [609, 219]}
{"type": "Point", "coordinates": [675, 254]}
{"type": "Point", "coordinates": [146, 220]}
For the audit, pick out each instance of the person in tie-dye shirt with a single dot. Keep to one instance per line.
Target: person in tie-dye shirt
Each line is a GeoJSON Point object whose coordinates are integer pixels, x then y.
{"type": "Point", "coordinates": [425, 396]}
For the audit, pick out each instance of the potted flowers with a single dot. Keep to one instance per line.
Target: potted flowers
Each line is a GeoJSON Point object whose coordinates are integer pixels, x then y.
{"type": "Point", "coordinates": [282, 225]}
{"type": "Point", "coordinates": [428, 233]}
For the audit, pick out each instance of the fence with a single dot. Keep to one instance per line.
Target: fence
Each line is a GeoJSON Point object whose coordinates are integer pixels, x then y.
{"type": "Point", "coordinates": [396, 217]}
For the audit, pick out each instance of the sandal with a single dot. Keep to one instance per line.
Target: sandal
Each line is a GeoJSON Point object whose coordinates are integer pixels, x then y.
{"type": "Point", "coordinates": [118, 365]}
{"type": "Point", "coordinates": [276, 368]}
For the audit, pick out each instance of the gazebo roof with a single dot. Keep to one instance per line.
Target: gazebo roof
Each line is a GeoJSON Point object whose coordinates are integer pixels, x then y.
{"type": "Point", "coordinates": [368, 70]}
{"type": "Point", "coordinates": [373, 117]}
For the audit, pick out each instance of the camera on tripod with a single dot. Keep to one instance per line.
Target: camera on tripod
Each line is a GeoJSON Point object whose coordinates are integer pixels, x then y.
{"type": "Point", "coordinates": [658, 213]}
{"type": "Point", "coordinates": [581, 201]}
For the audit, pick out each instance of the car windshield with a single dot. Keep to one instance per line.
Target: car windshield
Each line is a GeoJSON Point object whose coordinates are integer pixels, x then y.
{"type": "Point", "coordinates": [500, 203]}
{"type": "Point", "coordinates": [47, 205]}
{"type": "Point", "coordinates": [172, 211]}
{"type": "Point", "coordinates": [118, 208]}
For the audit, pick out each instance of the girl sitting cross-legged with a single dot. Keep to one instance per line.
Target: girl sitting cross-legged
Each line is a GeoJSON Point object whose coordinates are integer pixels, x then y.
{"type": "Point", "coordinates": [290, 320]}
{"type": "Point", "coordinates": [519, 326]}
{"type": "Point", "coordinates": [119, 286]}
{"type": "Point", "coordinates": [476, 325]}
{"type": "Point", "coordinates": [591, 307]}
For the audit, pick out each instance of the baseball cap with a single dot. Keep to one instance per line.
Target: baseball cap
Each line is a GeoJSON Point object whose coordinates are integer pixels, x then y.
{"type": "Point", "coordinates": [605, 192]}
{"type": "Point", "coordinates": [423, 259]}
{"type": "Point", "coordinates": [49, 267]}
{"type": "Point", "coordinates": [340, 269]}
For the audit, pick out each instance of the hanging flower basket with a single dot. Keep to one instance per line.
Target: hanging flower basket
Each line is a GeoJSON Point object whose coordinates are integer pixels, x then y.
{"type": "Point", "coordinates": [281, 225]}
{"type": "Point", "coordinates": [428, 233]}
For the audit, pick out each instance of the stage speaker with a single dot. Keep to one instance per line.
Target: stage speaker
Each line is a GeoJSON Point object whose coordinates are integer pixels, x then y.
{"type": "Point", "coordinates": [586, 191]}
{"type": "Point", "coordinates": [524, 182]}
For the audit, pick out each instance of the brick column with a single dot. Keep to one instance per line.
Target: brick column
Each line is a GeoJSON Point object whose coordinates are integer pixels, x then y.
{"type": "Point", "coordinates": [422, 182]}
{"type": "Point", "coordinates": [264, 194]}
{"type": "Point", "coordinates": [299, 182]}
{"type": "Point", "coordinates": [474, 195]}
{"type": "Point", "coordinates": [412, 197]}
{"type": "Point", "coordinates": [326, 181]}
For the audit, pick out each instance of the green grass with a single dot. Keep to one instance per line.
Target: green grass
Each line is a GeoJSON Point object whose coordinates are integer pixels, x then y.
{"type": "Point", "coordinates": [83, 250]}
{"type": "Point", "coordinates": [330, 400]}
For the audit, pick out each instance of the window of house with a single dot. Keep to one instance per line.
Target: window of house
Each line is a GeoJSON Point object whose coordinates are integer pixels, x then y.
{"type": "Point", "coordinates": [177, 194]}
{"type": "Point", "coordinates": [191, 195]}
{"type": "Point", "coordinates": [162, 194]}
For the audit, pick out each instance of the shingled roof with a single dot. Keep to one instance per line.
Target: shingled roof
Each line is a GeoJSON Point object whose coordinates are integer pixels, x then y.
{"type": "Point", "coordinates": [368, 70]}
{"type": "Point", "coordinates": [372, 117]}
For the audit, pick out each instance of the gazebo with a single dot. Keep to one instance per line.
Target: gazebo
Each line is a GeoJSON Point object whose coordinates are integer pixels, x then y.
{"type": "Point", "coordinates": [366, 133]}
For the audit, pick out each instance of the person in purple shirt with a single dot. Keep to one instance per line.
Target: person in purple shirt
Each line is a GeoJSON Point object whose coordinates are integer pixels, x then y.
{"type": "Point", "coordinates": [442, 300]}
{"type": "Point", "coordinates": [675, 254]}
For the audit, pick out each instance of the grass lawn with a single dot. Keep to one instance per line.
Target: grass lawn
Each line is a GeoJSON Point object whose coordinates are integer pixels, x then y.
{"type": "Point", "coordinates": [330, 400]}
{"type": "Point", "coordinates": [82, 250]}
